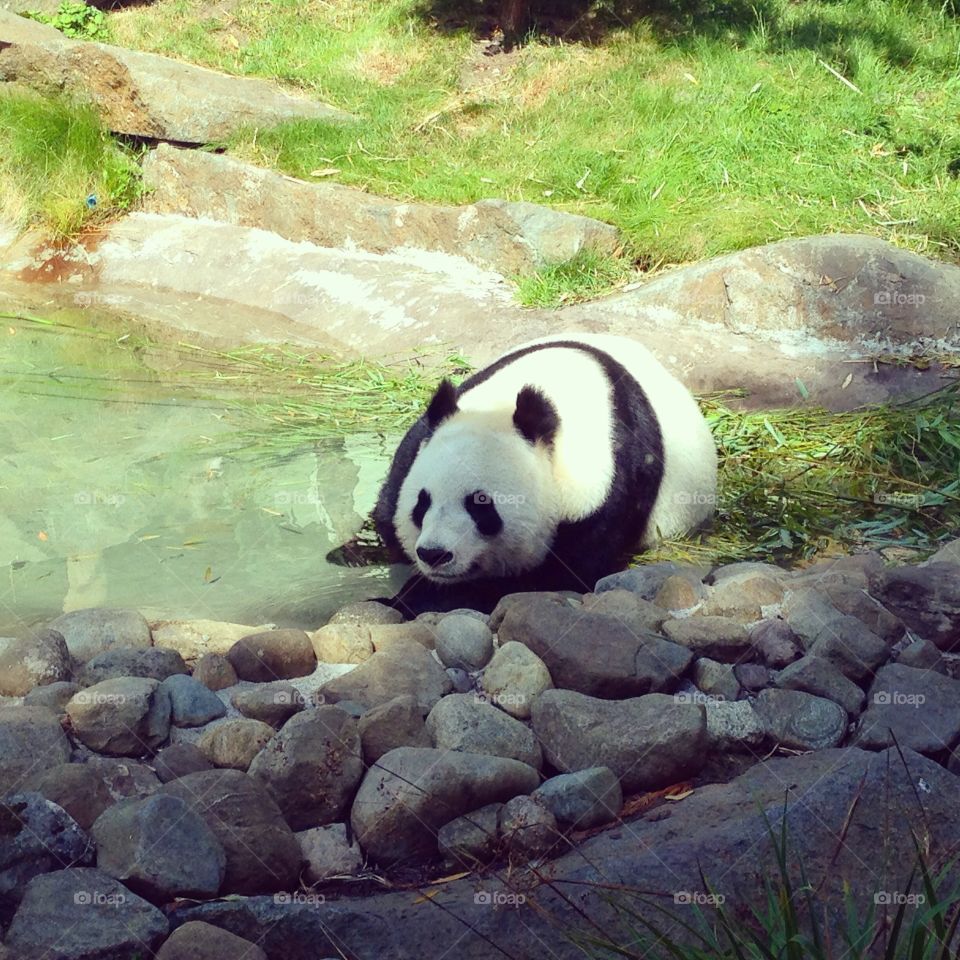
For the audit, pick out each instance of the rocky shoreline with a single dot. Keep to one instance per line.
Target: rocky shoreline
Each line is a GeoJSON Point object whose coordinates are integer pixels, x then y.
{"type": "Point", "coordinates": [285, 775]}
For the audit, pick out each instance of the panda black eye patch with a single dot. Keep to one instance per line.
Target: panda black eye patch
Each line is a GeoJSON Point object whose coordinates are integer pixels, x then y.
{"type": "Point", "coordinates": [420, 510]}
{"type": "Point", "coordinates": [482, 509]}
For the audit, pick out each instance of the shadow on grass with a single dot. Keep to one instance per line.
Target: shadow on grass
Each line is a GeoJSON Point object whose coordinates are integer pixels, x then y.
{"type": "Point", "coordinates": [688, 22]}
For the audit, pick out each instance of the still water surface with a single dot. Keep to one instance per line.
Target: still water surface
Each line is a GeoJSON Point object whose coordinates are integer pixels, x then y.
{"type": "Point", "coordinates": [123, 483]}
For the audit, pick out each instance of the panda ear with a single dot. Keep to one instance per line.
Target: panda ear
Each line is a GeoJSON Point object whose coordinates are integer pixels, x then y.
{"type": "Point", "coordinates": [535, 417]}
{"type": "Point", "coordinates": [443, 404]}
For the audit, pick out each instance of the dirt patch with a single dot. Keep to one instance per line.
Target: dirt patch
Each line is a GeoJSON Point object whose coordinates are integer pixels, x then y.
{"type": "Point", "coordinates": [488, 64]}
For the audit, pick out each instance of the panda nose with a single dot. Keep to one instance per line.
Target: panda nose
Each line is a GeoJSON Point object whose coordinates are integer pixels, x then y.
{"type": "Point", "coordinates": [434, 556]}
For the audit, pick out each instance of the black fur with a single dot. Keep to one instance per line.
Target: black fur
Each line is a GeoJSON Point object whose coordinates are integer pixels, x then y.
{"type": "Point", "coordinates": [583, 551]}
{"type": "Point", "coordinates": [420, 510]}
{"type": "Point", "coordinates": [484, 512]}
{"type": "Point", "coordinates": [535, 416]}
{"type": "Point", "coordinates": [443, 404]}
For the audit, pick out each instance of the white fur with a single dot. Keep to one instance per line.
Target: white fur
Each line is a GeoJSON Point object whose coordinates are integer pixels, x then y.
{"type": "Point", "coordinates": [478, 448]}
{"type": "Point", "coordinates": [688, 491]}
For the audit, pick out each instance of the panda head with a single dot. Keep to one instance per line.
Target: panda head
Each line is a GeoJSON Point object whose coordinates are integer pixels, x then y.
{"type": "Point", "coordinates": [478, 499]}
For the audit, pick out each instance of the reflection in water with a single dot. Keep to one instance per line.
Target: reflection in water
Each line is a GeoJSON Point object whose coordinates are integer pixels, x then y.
{"type": "Point", "coordinates": [119, 486]}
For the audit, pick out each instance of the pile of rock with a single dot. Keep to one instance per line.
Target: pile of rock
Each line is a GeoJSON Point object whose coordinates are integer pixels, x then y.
{"type": "Point", "coordinates": [141, 764]}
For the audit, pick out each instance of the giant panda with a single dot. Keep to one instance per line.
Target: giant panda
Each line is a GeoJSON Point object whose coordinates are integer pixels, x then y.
{"type": "Point", "coordinates": [544, 471]}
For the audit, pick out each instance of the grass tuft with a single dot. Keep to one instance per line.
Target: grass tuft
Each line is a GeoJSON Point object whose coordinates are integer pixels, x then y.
{"type": "Point", "coordinates": [58, 165]}
{"type": "Point", "coordinates": [795, 484]}
{"type": "Point", "coordinates": [583, 277]}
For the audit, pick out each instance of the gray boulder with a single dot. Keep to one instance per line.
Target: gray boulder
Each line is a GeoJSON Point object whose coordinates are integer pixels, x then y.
{"type": "Point", "coordinates": [404, 667]}
{"type": "Point", "coordinates": [203, 941]}
{"type": "Point", "coordinates": [147, 95]}
{"type": "Point", "coordinates": [312, 766]}
{"type": "Point", "coordinates": [328, 852]}
{"type": "Point", "coordinates": [850, 646]}
{"type": "Point", "coordinates": [775, 642]}
{"type": "Point", "coordinates": [191, 703]}
{"type": "Point", "coordinates": [586, 798]}
{"type": "Point", "coordinates": [801, 721]}
{"type": "Point", "coordinates": [593, 653]}
{"type": "Point", "coordinates": [30, 738]}
{"type": "Point", "coordinates": [465, 722]}
{"type": "Point", "coordinates": [179, 759]}
{"type": "Point", "coordinates": [261, 850]}
{"type": "Point", "coordinates": [510, 237]}
{"type": "Point", "coordinates": [412, 792]}
{"type": "Point", "coordinates": [36, 836]}
{"type": "Point", "coordinates": [514, 678]}
{"type": "Point", "coordinates": [77, 787]}
{"type": "Point", "coordinates": [911, 707]}
{"type": "Point", "coordinates": [125, 717]}
{"type": "Point", "coordinates": [648, 742]}
{"type": "Point", "coordinates": [471, 840]}
{"type": "Point", "coordinates": [464, 642]}
{"type": "Point", "coordinates": [156, 662]}
{"type": "Point", "coordinates": [397, 723]}
{"type": "Point", "coordinates": [272, 703]}
{"type": "Point", "coordinates": [528, 830]}
{"type": "Point", "coordinates": [160, 848]}
{"type": "Point", "coordinates": [820, 677]}
{"type": "Point", "coordinates": [719, 638]}
{"type": "Point", "coordinates": [32, 661]}
{"type": "Point", "coordinates": [53, 697]}
{"type": "Point", "coordinates": [89, 632]}
{"type": "Point", "coordinates": [926, 599]}
{"type": "Point", "coordinates": [81, 913]}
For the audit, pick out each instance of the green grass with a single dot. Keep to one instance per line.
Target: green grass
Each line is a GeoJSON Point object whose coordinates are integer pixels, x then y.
{"type": "Point", "coordinates": [795, 484]}
{"type": "Point", "coordinates": [58, 166]}
{"type": "Point", "coordinates": [694, 142]}
{"type": "Point", "coordinates": [583, 277]}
